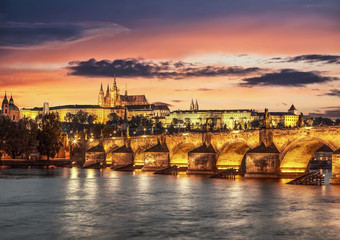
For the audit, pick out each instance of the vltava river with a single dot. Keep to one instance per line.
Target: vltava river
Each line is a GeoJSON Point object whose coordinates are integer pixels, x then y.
{"type": "Point", "coordinates": [102, 204]}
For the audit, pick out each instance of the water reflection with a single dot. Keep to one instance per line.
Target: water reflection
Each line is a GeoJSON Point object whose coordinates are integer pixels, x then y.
{"type": "Point", "coordinates": [103, 204]}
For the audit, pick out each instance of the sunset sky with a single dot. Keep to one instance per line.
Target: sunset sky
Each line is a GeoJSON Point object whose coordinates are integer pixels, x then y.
{"type": "Point", "coordinates": [227, 54]}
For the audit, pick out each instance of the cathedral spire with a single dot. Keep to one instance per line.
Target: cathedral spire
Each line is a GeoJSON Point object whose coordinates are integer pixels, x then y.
{"type": "Point", "coordinates": [108, 88]}
{"type": "Point", "coordinates": [101, 87]}
{"type": "Point", "coordinates": [196, 105]}
{"type": "Point", "coordinates": [115, 83]}
{"type": "Point", "coordinates": [192, 106]}
{"type": "Point", "coordinates": [125, 89]}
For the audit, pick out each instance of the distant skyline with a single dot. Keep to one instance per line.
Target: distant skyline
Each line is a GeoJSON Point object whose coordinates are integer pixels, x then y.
{"type": "Point", "coordinates": [226, 54]}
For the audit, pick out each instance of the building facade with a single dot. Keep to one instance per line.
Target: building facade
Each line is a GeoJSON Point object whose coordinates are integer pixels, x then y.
{"type": "Point", "coordinates": [112, 97]}
{"type": "Point", "coordinates": [9, 109]}
{"type": "Point", "coordinates": [217, 119]}
{"type": "Point", "coordinates": [111, 102]}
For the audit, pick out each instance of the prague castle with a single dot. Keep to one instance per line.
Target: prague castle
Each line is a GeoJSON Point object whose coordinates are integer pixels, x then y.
{"type": "Point", "coordinates": [110, 102]}
{"type": "Point", "coordinates": [112, 98]}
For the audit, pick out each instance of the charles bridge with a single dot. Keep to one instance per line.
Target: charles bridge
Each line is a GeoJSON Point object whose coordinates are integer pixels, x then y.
{"type": "Point", "coordinates": [295, 146]}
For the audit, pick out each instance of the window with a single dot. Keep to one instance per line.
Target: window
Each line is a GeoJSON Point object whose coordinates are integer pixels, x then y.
{"type": "Point", "coordinates": [13, 117]}
{"type": "Point", "coordinates": [5, 110]}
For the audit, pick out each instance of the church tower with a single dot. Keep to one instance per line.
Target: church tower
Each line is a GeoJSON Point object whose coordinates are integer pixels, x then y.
{"type": "Point", "coordinates": [192, 106]}
{"type": "Point", "coordinates": [293, 110]}
{"type": "Point", "coordinates": [196, 106]}
{"type": "Point", "coordinates": [5, 106]}
{"type": "Point", "coordinates": [107, 96]}
{"type": "Point", "coordinates": [101, 96]}
{"type": "Point", "coordinates": [11, 101]}
{"type": "Point", "coordinates": [115, 96]}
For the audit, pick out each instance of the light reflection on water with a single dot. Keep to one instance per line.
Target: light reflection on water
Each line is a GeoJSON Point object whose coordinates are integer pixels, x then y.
{"type": "Point", "coordinates": [103, 204]}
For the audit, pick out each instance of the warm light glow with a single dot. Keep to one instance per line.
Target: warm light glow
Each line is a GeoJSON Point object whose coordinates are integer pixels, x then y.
{"type": "Point", "coordinates": [224, 168]}
{"type": "Point", "coordinates": [74, 141]}
{"type": "Point", "coordinates": [236, 131]}
{"type": "Point", "coordinates": [185, 134]}
{"type": "Point", "coordinates": [293, 170]}
{"type": "Point", "coordinates": [91, 139]}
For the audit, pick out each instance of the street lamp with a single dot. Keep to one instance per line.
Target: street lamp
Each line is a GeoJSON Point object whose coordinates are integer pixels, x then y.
{"type": "Point", "coordinates": [144, 130]}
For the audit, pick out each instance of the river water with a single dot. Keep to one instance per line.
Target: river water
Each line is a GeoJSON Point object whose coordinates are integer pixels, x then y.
{"type": "Point", "coordinates": [103, 204]}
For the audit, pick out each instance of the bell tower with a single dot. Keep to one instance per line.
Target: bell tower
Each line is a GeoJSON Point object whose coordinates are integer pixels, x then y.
{"type": "Point", "coordinates": [101, 96]}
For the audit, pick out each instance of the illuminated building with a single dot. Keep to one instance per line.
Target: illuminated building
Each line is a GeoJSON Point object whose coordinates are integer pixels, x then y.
{"type": "Point", "coordinates": [112, 98]}
{"type": "Point", "coordinates": [9, 109]}
{"type": "Point", "coordinates": [283, 119]}
{"type": "Point", "coordinates": [218, 119]}
{"type": "Point", "coordinates": [112, 102]}
{"type": "Point", "coordinates": [322, 158]}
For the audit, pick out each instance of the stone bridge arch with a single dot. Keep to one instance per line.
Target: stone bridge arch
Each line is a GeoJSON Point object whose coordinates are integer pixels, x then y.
{"type": "Point", "coordinates": [179, 154]}
{"type": "Point", "coordinates": [297, 154]}
{"type": "Point", "coordinates": [232, 154]}
{"type": "Point", "coordinates": [108, 152]}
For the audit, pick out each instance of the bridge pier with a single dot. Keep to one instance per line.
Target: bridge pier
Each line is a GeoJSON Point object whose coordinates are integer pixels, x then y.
{"type": "Point", "coordinates": [335, 168]}
{"type": "Point", "coordinates": [263, 162]}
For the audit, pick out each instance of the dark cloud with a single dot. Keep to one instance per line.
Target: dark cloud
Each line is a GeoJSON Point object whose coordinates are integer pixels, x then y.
{"type": "Point", "coordinates": [330, 112]}
{"type": "Point", "coordinates": [310, 58]}
{"type": "Point", "coordinates": [177, 101]}
{"type": "Point", "coordinates": [142, 68]}
{"type": "Point", "coordinates": [162, 103]}
{"type": "Point", "coordinates": [136, 12]}
{"type": "Point", "coordinates": [14, 34]}
{"type": "Point", "coordinates": [288, 78]}
{"type": "Point", "coordinates": [196, 89]}
{"type": "Point", "coordinates": [333, 92]}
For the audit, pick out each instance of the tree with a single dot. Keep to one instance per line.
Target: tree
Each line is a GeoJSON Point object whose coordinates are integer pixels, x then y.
{"type": "Point", "coordinates": [114, 119]}
{"type": "Point", "coordinates": [140, 120]}
{"type": "Point", "coordinates": [91, 119]}
{"type": "Point", "coordinates": [49, 136]}
{"type": "Point", "coordinates": [23, 138]}
{"type": "Point", "coordinates": [255, 124]}
{"type": "Point", "coordinates": [320, 121]}
{"type": "Point", "coordinates": [69, 117]}
{"type": "Point", "coordinates": [107, 131]}
{"type": "Point", "coordinates": [337, 122]}
{"type": "Point", "coordinates": [81, 117]}
{"type": "Point", "coordinates": [5, 130]}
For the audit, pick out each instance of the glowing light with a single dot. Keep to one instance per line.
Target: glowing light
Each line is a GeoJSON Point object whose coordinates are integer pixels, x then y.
{"type": "Point", "coordinates": [293, 170]}
{"type": "Point", "coordinates": [91, 139]}
{"type": "Point", "coordinates": [308, 127]}
{"type": "Point", "coordinates": [74, 141]}
{"type": "Point", "coordinates": [185, 134]}
{"type": "Point", "coordinates": [236, 131]}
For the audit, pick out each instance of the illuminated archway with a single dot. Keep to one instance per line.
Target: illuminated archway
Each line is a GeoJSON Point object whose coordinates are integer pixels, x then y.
{"type": "Point", "coordinates": [180, 154]}
{"type": "Point", "coordinates": [109, 154]}
{"type": "Point", "coordinates": [232, 155]}
{"type": "Point", "coordinates": [296, 156]}
{"type": "Point", "coordinates": [139, 156]}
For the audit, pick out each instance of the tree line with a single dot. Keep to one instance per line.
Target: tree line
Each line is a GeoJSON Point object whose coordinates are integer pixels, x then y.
{"type": "Point", "coordinates": [28, 136]}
